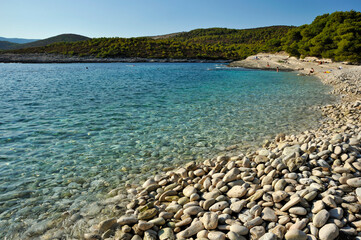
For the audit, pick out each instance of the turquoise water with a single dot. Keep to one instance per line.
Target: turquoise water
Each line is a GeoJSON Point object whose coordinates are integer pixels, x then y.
{"type": "Point", "coordinates": [70, 134]}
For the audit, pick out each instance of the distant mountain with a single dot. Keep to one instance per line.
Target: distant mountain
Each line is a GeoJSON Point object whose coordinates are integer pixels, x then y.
{"type": "Point", "coordinates": [56, 39]}
{"type": "Point", "coordinates": [18, 40]}
{"type": "Point", "coordinates": [5, 45]}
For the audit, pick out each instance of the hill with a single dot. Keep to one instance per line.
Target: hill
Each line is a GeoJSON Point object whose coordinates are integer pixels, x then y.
{"type": "Point", "coordinates": [165, 36]}
{"type": "Point", "coordinates": [51, 40]}
{"type": "Point", "coordinates": [213, 43]}
{"type": "Point", "coordinates": [5, 45]}
{"type": "Point", "coordinates": [336, 36]}
{"type": "Point", "coordinates": [232, 36]}
{"type": "Point", "coordinates": [18, 40]}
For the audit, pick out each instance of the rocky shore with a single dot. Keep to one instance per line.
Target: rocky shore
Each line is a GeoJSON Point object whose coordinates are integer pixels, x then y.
{"type": "Point", "coordinates": [56, 58]}
{"type": "Point", "coordinates": [295, 187]}
{"type": "Point", "coordinates": [284, 62]}
{"type": "Point", "coordinates": [304, 186]}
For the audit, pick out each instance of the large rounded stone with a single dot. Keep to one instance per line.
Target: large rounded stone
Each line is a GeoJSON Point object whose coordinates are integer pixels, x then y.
{"type": "Point", "coordinates": [237, 192]}
{"type": "Point", "coordinates": [279, 231]}
{"type": "Point", "coordinates": [127, 220]}
{"type": "Point", "coordinates": [336, 139]}
{"type": "Point", "coordinates": [231, 175]}
{"type": "Point", "coordinates": [268, 214]}
{"type": "Point", "coordinates": [329, 201]}
{"type": "Point", "coordinates": [159, 221]}
{"type": "Point", "coordinates": [328, 232]}
{"type": "Point", "coordinates": [147, 214]}
{"type": "Point", "coordinates": [358, 192]}
{"type": "Point", "coordinates": [278, 196]}
{"type": "Point", "coordinates": [191, 230]}
{"type": "Point", "coordinates": [354, 182]}
{"type": "Point", "coordinates": [257, 232]}
{"type": "Point", "coordinates": [234, 236]}
{"type": "Point", "coordinates": [219, 206]}
{"type": "Point", "coordinates": [144, 226]}
{"type": "Point", "coordinates": [189, 190]}
{"type": "Point", "coordinates": [210, 220]}
{"type": "Point", "coordinates": [317, 206]}
{"type": "Point", "coordinates": [295, 234]}
{"type": "Point", "coordinates": [269, 236]}
{"type": "Point", "coordinates": [107, 224]}
{"type": "Point", "coordinates": [216, 235]}
{"type": "Point", "coordinates": [166, 234]}
{"type": "Point", "coordinates": [237, 206]}
{"type": "Point", "coordinates": [320, 218]}
{"type": "Point", "coordinates": [193, 210]}
{"type": "Point", "coordinates": [239, 229]}
{"type": "Point", "coordinates": [173, 208]}
{"type": "Point", "coordinates": [280, 185]}
{"type": "Point", "coordinates": [298, 210]}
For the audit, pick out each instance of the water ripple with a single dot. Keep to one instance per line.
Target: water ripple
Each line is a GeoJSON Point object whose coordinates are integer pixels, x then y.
{"type": "Point", "coordinates": [66, 131]}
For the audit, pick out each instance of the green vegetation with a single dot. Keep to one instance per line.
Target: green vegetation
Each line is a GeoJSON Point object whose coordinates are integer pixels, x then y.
{"type": "Point", "coordinates": [47, 41]}
{"type": "Point", "coordinates": [336, 36]}
{"type": "Point", "coordinates": [56, 39]}
{"type": "Point", "coordinates": [214, 43]}
{"type": "Point", "coordinates": [5, 45]}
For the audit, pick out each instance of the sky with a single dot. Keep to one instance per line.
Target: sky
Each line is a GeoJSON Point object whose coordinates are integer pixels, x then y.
{"type": "Point", "coordinates": [133, 18]}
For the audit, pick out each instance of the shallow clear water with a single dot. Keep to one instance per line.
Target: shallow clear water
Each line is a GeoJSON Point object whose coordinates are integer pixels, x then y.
{"type": "Point", "coordinates": [69, 134]}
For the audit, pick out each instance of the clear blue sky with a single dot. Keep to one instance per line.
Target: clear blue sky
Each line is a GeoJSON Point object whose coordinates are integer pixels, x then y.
{"type": "Point", "coordinates": [132, 18]}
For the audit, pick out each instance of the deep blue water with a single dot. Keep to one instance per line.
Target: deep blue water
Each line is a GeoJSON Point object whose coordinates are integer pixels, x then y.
{"type": "Point", "coordinates": [67, 132]}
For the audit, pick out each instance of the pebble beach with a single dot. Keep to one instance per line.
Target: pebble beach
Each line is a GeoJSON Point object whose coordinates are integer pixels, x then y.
{"type": "Point", "coordinates": [294, 187]}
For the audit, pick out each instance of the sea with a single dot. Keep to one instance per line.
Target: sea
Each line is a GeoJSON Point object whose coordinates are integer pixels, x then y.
{"type": "Point", "coordinates": [70, 133]}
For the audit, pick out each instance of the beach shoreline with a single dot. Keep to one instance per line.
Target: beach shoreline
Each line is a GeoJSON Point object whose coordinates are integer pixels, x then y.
{"type": "Point", "coordinates": [208, 194]}
{"type": "Point", "coordinates": [279, 191]}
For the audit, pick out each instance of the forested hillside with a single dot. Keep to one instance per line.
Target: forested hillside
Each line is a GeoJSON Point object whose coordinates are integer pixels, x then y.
{"type": "Point", "coordinates": [5, 45]}
{"type": "Point", "coordinates": [336, 36]}
{"type": "Point", "coordinates": [214, 43]}
{"type": "Point", "coordinates": [27, 43]}
{"type": "Point", "coordinates": [51, 40]}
